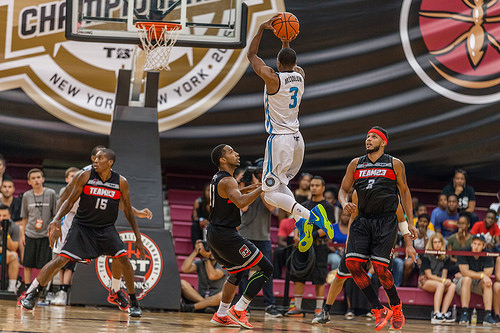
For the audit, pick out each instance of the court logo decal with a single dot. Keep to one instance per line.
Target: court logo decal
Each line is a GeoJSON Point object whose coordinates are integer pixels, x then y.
{"type": "Point", "coordinates": [454, 47]}
{"type": "Point", "coordinates": [147, 271]}
{"type": "Point", "coordinates": [76, 81]}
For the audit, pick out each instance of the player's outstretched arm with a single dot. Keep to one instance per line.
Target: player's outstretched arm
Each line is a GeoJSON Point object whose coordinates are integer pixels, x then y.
{"type": "Point", "coordinates": [228, 189]}
{"type": "Point", "coordinates": [129, 214]}
{"type": "Point", "coordinates": [259, 66]}
{"type": "Point", "coordinates": [345, 187]}
{"type": "Point", "coordinates": [142, 214]}
{"type": "Point", "coordinates": [404, 191]}
{"type": "Point", "coordinates": [54, 229]}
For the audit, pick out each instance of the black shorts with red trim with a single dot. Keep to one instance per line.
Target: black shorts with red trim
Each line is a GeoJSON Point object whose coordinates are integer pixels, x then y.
{"type": "Point", "coordinates": [85, 243]}
{"type": "Point", "coordinates": [372, 238]}
{"type": "Point", "coordinates": [231, 250]}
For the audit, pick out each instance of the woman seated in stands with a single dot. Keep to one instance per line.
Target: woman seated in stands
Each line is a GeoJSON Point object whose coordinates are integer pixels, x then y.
{"type": "Point", "coordinates": [201, 211]}
{"type": "Point", "coordinates": [433, 278]}
{"type": "Point", "coordinates": [458, 241]}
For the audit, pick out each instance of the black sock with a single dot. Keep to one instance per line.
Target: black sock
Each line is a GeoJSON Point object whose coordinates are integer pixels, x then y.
{"type": "Point", "coordinates": [372, 297]}
{"type": "Point", "coordinates": [327, 307]}
{"type": "Point", "coordinates": [393, 296]}
{"type": "Point", "coordinates": [132, 297]}
{"type": "Point", "coordinates": [465, 309]}
{"type": "Point", "coordinates": [486, 312]}
{"type": "Point", "coordinates": [65, 287]}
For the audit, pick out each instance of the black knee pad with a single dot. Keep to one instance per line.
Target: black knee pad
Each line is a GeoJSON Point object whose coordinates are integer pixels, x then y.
{"type": "Point", "coordinates": [235, 279]}
{"type": "Point", "coordinates": [265, 267]}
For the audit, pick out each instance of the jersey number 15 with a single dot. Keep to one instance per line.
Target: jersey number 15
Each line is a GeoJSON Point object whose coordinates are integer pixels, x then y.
{"type": "Point", "coordinates": [101, 204]}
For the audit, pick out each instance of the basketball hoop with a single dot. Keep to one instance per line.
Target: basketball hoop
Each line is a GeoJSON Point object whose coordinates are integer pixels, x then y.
{"type": "Point", "coordinates": [157, 39]}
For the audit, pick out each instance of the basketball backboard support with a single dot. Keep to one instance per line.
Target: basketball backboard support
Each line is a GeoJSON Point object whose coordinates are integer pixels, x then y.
{"type": "Point", "coordinates": [205, 23]}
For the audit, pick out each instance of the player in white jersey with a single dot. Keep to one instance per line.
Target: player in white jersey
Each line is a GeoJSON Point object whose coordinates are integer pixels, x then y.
{"type": "Point", "coordinates": [285, 147]}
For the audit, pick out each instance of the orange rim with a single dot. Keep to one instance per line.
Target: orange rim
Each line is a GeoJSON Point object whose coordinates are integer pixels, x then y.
{"type": "Point", "coordinates": [157, 26]}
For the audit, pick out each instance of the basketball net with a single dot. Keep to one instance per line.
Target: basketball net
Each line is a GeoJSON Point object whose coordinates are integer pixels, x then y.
{"type": "Point", "coordinates": [157, 41]}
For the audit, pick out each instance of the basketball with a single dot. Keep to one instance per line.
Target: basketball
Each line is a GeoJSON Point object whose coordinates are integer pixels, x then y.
{"type": "Point", "coordinates": [286, 26]}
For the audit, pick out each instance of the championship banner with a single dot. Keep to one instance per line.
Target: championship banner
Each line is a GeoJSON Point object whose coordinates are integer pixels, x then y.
{"type": "Point", "coordinates": [156, 277]}
{"type": "Point", "coordinates": [75, 81]}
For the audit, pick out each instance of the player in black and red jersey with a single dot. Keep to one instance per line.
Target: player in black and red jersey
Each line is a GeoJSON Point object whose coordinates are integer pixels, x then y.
{"type": "Point", "coordinates": [377, 178]}
{"type": "Point", "coordinates": [231, 250]}
{"type": "Point", "coordinates": [93, 233]}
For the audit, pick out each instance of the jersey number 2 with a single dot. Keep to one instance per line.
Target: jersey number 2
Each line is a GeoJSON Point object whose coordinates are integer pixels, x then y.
{"type": "Point", "coordinates": [294, 91]}
{"type": "Point", "coordinates": [370, 184]}
{"type": "Point", "coordinates": [101, 204]}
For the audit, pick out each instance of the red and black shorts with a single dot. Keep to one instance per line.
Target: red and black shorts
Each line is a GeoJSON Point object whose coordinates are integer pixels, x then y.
{"type": "Point", "coordinates": [231, 250]}
{"type": "Point", "coordinates": [85, 243]}
{"type": "Point", "coordinates": [372, 238]}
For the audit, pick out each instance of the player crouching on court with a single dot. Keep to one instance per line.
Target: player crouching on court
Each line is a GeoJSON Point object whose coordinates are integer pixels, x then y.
{"type": "Point", "coordinates": [93, 232]}
{"type": "Point", "coordinates": [231, 250]}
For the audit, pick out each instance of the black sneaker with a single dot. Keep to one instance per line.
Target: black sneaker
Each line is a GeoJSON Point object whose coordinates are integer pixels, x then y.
{"type": "Point", "coordinates": [488, 320]}
{"type": "Point", "coordinates": [438, 318]}
{"type": "Point", "coordinates": [187, 307]}
{"type": "Point", "coordinates": [321, 318]}
{"type": "Point", "coordinates": [119, 298]}
{"type": "Point", "coordinates": [134, 309]}
{"type": "Point", "coordinates": [30, 300]}
{"type": "Point", "coordinates": [448, 317]}
{"type": "Point", "coordinates": [464, 318]}
{"type": "Point", "coordinates": [272, 312]}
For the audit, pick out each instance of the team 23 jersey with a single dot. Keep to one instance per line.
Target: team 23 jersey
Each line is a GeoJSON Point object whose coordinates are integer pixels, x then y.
{"type": "Point", "coordinates": [223, 212]}
{"type": "Point", "coordinates": [376, 186]}
{"type": "Point", "coordinates": [99, 201]}
{"type": "Point", "coordinates": [282, 107]}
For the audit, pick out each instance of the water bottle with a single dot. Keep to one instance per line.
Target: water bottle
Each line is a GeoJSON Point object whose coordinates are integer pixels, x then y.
{"type": "Point", "coordinates": [473, 319]}
{"type": "Point", "coordinates": [454, 312]}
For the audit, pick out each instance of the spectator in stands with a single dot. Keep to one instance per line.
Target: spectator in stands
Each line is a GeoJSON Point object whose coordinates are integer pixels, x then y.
{"type": "Point", "coordinates": [3, 166]}
{"type": "Point", "coordinates": [256, 227]}
{"type": "Point", "coordinates": [38, 209]}
{"type": "Point", "coordinates": [496, 205]}
{"type": "Point", "coordinates": [465, 193]}
{"type": "Point", "coordinates": [320, 248]}
{"type": "Point", "coordinates": [341, 228]}
{"type": "Point", "coordinates": [419, 243]}
{"type": "Point", "coordinates": [476, 277]}
{"type": "Point", "coordinates": [8, 199]}
{"type": "Point", "coordinates": [211, 277]}
{"type": "Point", "coordinates": [303, 193]}
{"type": "Point", "coordinates": [439, 211]}
{"type": "Point", "coordinates": [459, 241]}
{"type": "Point", "coordinates": [434, 279]}
{"type": "Point", "coordinates": [201, 211]}
{"type": "Point", "coordinates": [489, 229]}
{"type": "Point", "coordinates": [447, 224]}
{"type": "Point", "coordinates": [12, 247]}
{"type": "Point", "coordinates": [414, 204]}
{"type": "Point", "coordinates": [421, 209]}
{"type": "Point", "coordinates": [284, 248]}
{"type": "Point", "coordinates": [331, 195]}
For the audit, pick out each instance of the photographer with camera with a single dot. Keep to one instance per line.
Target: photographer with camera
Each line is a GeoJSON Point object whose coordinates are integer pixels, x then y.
{"type": "Point", "coordinates": [255, 226]}
{"type": "Point", "coordinates": [211, 277]}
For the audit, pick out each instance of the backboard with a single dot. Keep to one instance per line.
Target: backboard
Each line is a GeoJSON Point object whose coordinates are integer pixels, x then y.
{"type": "Point", "coordinates": [205, 23]}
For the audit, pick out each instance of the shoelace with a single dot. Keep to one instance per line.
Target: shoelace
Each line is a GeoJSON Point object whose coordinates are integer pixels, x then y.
{"type": "Point", "coordinates": [398, 315]}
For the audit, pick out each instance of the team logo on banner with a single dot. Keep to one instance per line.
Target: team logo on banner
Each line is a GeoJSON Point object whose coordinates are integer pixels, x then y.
{"type": "Point", "coordinates": [76, 81]}
{"type": "Point", "coordinates": [454, 47]}
{"type": "Point", "coordinates": [147, 271]}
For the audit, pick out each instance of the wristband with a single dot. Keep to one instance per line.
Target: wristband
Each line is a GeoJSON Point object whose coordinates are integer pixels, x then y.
{"type": "Point", "coordinates": [403, 227]}
{"type": "Point", "coordinates": [369, 274]}
{"type": "Point", "coordinates": [482, 274]}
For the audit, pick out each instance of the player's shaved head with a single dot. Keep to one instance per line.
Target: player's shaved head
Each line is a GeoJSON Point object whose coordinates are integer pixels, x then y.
{"type": "Point", "coordinates": [287, 57]}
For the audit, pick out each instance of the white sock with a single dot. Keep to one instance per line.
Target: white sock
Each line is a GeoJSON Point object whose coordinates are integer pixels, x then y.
{"type": "Point", "coordinates": [223, 307]}
{"type": "Point", "coordinates": [286, 203]}
{"type": "Point", "coordinates": [319, 302]}
{"type": "Point", "coordinates": [32, 287]}
{"type": "Point", "coordinates": [12, 284]}
{"type": "Point", "coordinates": [242, 304]}
{"type": "Point", "coordinates": [298, 301]}
{"type": "Point", "coordinates": [115, 284]}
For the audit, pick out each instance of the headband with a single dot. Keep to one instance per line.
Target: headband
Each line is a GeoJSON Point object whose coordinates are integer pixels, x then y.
{"type": "Point", "coordinates": [379, 133]}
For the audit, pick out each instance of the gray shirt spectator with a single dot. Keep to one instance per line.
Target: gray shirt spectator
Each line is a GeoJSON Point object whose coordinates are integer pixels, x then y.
{"type": "Point", "coordinates": [256, 222]}
{"type": "Point", "coordinates": [35, 207]}
{"type": "Point", "coordinates": [207, 287]}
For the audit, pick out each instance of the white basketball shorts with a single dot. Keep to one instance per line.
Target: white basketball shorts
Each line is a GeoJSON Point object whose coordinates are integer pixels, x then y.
{"type": "Point", "coordinates": [65, 225]}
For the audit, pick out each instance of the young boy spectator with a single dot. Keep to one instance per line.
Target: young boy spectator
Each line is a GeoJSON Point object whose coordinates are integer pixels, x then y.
{"type": "Point", "coordinates": [465, 193]}
{"type": "Point", "coordinates": [38, 209]}
{"type": "Point", "coordinates": [447, 224]}
{"type": "Point", "coordinates": [211, 277]}
{"type": "Point", "coordinates": [441, 208]}
{"type": "Point", "coordinates": [476, 277]}
{"type": "Point", "coordinates": [489, 229]}
{"type": "Point", "coordinates": [12, 247]}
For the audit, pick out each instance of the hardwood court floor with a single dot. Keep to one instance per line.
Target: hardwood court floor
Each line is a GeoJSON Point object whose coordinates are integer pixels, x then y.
{"type": "Point", "coordinates": [103, 319]}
